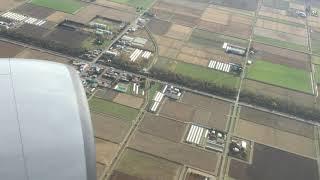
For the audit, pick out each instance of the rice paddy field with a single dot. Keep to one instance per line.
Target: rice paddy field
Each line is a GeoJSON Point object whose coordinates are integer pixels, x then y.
{"type": "Point", "coordinates": [107, 107]}
{"type": "Point", "coordinates": [280, 75]}
{"type": "Point", "coordinates": [135, 3]}
{"type": "Point", "coordinates": [68, 6]}
{"type": "Point", "coordinates": [199, 72]}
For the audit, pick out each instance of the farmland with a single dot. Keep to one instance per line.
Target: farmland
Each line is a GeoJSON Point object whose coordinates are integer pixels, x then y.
{"type": "Point", "coordinates": [145, 166]}
{"type": "Point", "coordinates": [135, 3]}
{"type": "Point", "coordinates": [68, 6]}
{"type": "Point", "coordinates": [267, 53]}
{"type": "Point", "coordinates": [263, 167]}
{"type": "Point", "coordinates": [280, 75]}
{"type": "Point", "coordinates": [8, 50]}
{"type": "Point", "coordinates": [124, 112]}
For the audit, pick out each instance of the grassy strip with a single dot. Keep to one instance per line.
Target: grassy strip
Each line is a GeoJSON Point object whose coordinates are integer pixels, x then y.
{"type": "Point", "coordinates": [108, 107]}
{"type": "Point", "coordinates": [206, 74]}
{"type": "Point", "coordinates": [282, 21]}
{"type": "Point", "coordinates": [280, 75]}
{"type": "Point", "coordinates": [275, 42]}
{"type": "Point", "coordinates": [68, 6]}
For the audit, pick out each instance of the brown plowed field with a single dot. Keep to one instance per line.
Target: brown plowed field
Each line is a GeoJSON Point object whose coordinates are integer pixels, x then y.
{"type": "Point", "coordinates": [117, 6]}
{"type": "Point", "coordinates": [168, 52]}
{"type": "Point", "coordinates": [57, 17]}
{"type": "Point", "coordinates": [270, 163]}
{"type": "Point", "coordinates": [233, 29]}
{"type": "Point", "coordinates": [162, 127]}
{"type": "Point", "coordinates": [117, 175]}
{"type": "Point", "coordinates": [196, 100]}
{"type": "Point", "coordinates": [9, 4]}
{"type": "Point", "coordinates": [146, 166]}
{"type": "Point", "coordinates": [109, 128]}
{"type": "Point", "coordinates": [179, 9]}
{"type": "Point", "coordinates": [128, 100]}
{"type": "Point", "coordinates": [8, 50]}
{"type": "Point", "coordinates": [282, 56]}
{"type": "Point", "coordinates": [34, 54]}
{"type": "Point", "coordinates": [105, 151]}
{"type": "Point", "coordinates": [186, 20]}
{"type": "Point", "coordinates": [281, 27]}
{"type": "Point", "coordinates": [179, 32]}
{"type": "Point", "coordinates": [278, 92]}
{"type": "Point", "coordinates": [281, 36]}
{"type": "Point", "coordinates": [107, 94]}
{"type": "Point", "coordinates": [276, 138]}
{"type": "Point", "coordinates": [159, 27]}
{"type": "Point", "coordinates": [34, 11]}
{"type": "Point", "coordinates": [177, 152]}
{"type": "Point", "coordinates": [277, 122]}
{"type": "Point", "coordinates": [192, 59]}
{"type": "Point", "coordinates": [85, 15]}
{"type": "Point", "coordinates": [176, 110]}
{"type": "Point", "coordinates": [100, 169]}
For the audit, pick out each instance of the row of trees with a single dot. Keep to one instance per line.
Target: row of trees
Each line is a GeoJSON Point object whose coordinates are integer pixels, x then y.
{"type": "Point", "coordinates": [165, 75]}
{"type": "Point", "coordinates": [249, 97]}
{"type": "Point", "coordinates": [42, 43]}
{"type": "Point", "coordinates": [281, 105]}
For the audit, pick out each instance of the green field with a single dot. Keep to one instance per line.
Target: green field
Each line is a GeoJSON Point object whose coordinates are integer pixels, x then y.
{"type": "Point", "coordinates": [280, 75]}
{"type": "Point", "coordinates": [146, 166]}
{"type": "Point", "coordinates": [315, 46]}
{"type": "Point", "coordinates": [275, 42]}
{"type": "Point", "coordinates": [198, 72]}
{"type": "Point", "coordinates": [118, 110]}
{"type": "Point", "coordinates": [68, 6]}
{"type": "Point", "coordinates": [135, 3]}
{"type": "Point", "coordinates": [278, 4]}
{"type": "Point", "coordinates": [315, 60]}
{"type": "Point", "coordinates": [317, 75]}
{"type": "Point", "coordinates": [153, 89]}
{"type": "Point", "coordinates": [90, 44]}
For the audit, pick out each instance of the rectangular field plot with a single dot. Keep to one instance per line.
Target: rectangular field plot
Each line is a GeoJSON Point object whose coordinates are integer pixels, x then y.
{"type": "Point", "coordinates": [280, 39]}
{"type": "Point", "coordinates": [214, 40]}
{"type": "Point", "coordinates": [317, 73]}
{"type": "Point", "coordinates": [176, 152]}
{"type": "Point", "coordinates": [145, 166]}
{"type": "Point", "coordinates": [282, 56]}
{"type": "Point", "coordinates": [8, 50]}
{"type": "Point", "coordinates": [68, 6]}
{"type": "Point", "coordinates": [270, 163]}
{"type": "Point", "coordinates": [249, 5]}
{"type": "Point", "coordinates": [34, 11]}
{"type": "Point", "coordinates": [315, 41]}
{"type": "Point", "coordinates": [114, 109]}
{"type": "Point", "coordinates": [105, 151]}
{"type": "Point", "coordinates": [215, 115]}
{"type": "Point", "coordinates": [135, 3]}
{"type": "Point", "coordinates": [284, 94]}
{"type": "Point", "coordinates": [276, 138]}
{"type": "Point", "coordinates": [277, 122]}
{"type": "Point", "coordinates": [206, 74]}
{"type": "Point", "coordinates": [280, 75]}
{"type": "Point", "coordinates": [163, 127]}
{"type": "Point", "coordinates": [34, 54]}
{"type": "Point", "coordinates": [109, 128]}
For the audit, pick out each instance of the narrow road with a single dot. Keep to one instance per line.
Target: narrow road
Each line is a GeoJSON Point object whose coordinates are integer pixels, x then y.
{"type": "Point", "coordinates": [233, 117]}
